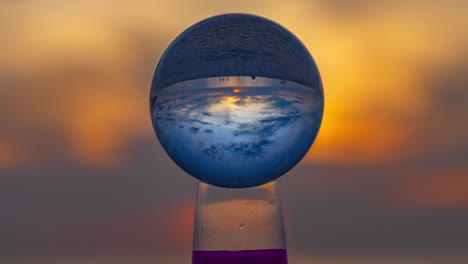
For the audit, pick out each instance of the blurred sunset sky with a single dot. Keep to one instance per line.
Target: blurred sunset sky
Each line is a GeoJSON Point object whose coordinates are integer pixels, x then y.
{"type": "Point", "coordinates": [83, 174]}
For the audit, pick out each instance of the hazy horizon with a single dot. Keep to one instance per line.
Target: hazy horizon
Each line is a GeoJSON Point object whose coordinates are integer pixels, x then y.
{"type": "Point", "coordinates": [83, 174]}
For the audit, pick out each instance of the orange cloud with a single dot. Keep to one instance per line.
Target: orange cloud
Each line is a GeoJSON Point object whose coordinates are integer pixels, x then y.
{"type": "Point", "coordinates": [359, 142]}
{"type": "Point", "coordinates": [443, 189]}
{"type": "Point", "coordinates": [373, 68]}
{"type": "Point", "coordinates": [370, 64]}
{"type": "Point", "coordinates": [9, 154]}
{"type": "Point", "coordinates": [99, 125]}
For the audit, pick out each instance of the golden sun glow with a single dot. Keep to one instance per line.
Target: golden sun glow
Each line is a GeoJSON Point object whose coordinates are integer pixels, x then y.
{"type": "Point", "coordinates": [239, 109]}
{"type": "Point", "coordinates": [365, 71]}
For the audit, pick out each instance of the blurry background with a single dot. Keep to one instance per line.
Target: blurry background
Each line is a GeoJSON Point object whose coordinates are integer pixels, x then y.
{"type": "Point", "coordinates": [82, 175]}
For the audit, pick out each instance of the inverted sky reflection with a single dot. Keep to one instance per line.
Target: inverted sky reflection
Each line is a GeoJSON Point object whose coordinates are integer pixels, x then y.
{"type": "Point", "coordinates": [237, 137]}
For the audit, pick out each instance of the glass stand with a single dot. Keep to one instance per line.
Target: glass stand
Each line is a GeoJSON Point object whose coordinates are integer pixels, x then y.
{"type": "Point", "coordinates": [234, 226]}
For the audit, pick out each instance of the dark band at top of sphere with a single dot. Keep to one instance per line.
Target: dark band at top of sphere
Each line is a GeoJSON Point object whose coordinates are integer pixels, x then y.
{"type": "Point", "coordinates": [236, 45]}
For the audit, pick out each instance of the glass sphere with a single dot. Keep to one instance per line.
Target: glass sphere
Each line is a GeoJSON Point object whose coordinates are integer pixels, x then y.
{"type": "Point", "coordinates": [236, 100]}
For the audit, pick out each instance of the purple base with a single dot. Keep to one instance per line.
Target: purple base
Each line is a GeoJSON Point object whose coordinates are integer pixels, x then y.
{"type": "Point", "coordinates": [267, 256]}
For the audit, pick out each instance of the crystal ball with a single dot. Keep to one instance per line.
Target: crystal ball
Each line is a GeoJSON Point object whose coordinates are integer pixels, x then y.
{"type": "Point", "coordinates": [236, 100]}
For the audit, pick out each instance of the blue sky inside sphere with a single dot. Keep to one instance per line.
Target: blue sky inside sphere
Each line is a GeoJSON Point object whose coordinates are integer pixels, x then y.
{"type": "Point", "coordinates": [236, 100]}
{"type": "Point", "coordinates": [235, 136]}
